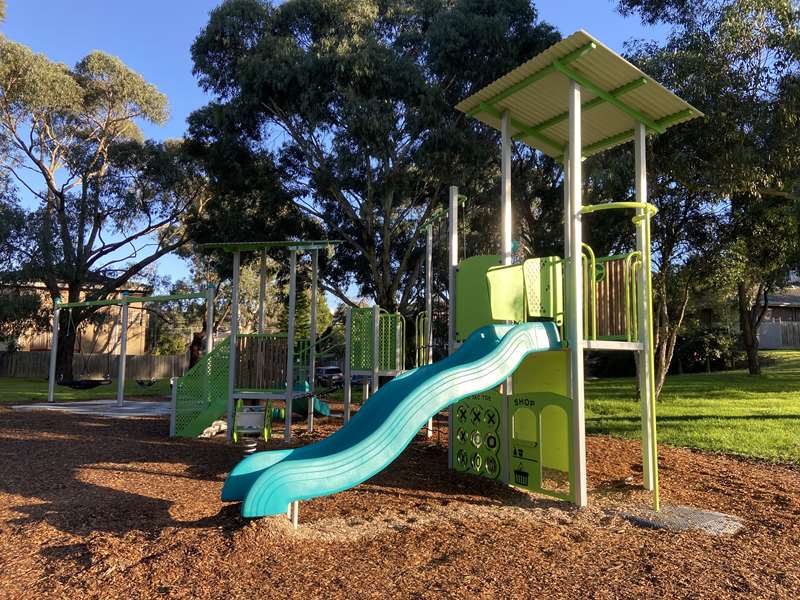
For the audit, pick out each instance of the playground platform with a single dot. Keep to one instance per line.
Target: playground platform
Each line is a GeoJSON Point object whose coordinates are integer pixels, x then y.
{"type": "Point", "coordinates": [103, 408]}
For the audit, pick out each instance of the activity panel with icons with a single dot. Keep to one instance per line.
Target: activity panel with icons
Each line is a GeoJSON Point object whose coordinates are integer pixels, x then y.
{"type": "Point", "coordinates": [477, 445]}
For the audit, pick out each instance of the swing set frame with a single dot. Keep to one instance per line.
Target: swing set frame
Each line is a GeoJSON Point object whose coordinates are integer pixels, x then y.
{"type": "Point", "coordinates": [123, 302]}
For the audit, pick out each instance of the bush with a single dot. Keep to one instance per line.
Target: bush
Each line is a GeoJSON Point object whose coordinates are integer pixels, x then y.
{"type": "Point", "coordinates": [706, 349]}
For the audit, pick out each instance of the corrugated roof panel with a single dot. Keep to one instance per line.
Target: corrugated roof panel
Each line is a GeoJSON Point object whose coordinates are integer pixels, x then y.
{"type": "Point", "coordinates": [547, 95]}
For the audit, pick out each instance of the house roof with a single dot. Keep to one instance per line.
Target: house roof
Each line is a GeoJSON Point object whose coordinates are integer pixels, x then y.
{"type": "Point", "coordinates": [615, 96]}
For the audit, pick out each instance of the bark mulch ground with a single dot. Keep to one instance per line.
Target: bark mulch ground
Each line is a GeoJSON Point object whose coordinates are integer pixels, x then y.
{"type": "Point", "coordinates": [100, 508]}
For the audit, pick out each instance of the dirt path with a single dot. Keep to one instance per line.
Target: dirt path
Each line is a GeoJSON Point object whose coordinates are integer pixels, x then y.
{"type": "Point", "coordinates": [97, 508]}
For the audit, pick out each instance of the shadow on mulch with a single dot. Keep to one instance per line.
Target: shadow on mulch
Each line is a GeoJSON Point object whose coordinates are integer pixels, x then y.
{"type": "Point", "coordinates": [41, 457]}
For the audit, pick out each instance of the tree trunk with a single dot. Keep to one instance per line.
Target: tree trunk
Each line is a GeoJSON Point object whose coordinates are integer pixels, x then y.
{"type": "Point", "coordinates": [749, 331]}
{"type": "Point", "coordinates": [196, 347]}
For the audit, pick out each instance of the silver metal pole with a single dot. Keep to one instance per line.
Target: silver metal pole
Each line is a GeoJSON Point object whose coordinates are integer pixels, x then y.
{"type": "Point", "coordinates": [234, 341]}
{"type": "Point", "coordinates": [51, 377]}
{"type": "Point", "coordinates": [376, 347]}
{"type": "Point", "coordinates": [506, 214]}
{"type": "Point", "coordinates": [451, 300]}
{"type": "Point", "coordinates": [428, 341]}
{"type": "Point", "coordinates": [210, 293]}
{"type": "Point", "coordinates": [505, 185]}
{"type": "Point", "coordinates": [287, 427]}
{"type": "Point", "coordinates": [348, 377]}
{"type": "Point", "coordinates": [567, 219]}
{"type": "Point", "coordinates": [312, 352]}
{"type": "Point", "coordinates": [575, 284]}
{"type": "Point", "coordinates": [173, 405]}
{"type": "Point", "coordinates": [123, 350]}
{"type": "Point", "coordinates": [262, 289]}
{"type": "Point", "coordinates": [645, 365]}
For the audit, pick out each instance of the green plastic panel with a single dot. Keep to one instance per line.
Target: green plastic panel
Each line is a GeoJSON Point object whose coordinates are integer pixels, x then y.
{"type": "Point", "coordinates": [543, 372]}
{"type": "Point", "coordinates": [473, 309]}
{"type": "Point", "coordinates": [539, 443]}
{"type": "Point", "coordinates": [544, 287]}
{"type": "Point", "coordinates": [507, 293]}
{"type": "Point", "coordinates": [477, 439]}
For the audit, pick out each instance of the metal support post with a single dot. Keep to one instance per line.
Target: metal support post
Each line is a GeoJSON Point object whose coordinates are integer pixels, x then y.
{"type": "Point", "coordinates": [452, 231]}
{"type": "Point", "coordinates": [210, 293]}
{"type": "Point", "coordinates": [575, 286]}
{"type": "Point", "coordinates": [312, 351]}
{"type": "Point", "coordinates": [287, 426]}
{"type": "Point", "coordinates": [428, 341]}
{"type": "Point", "coordinates": [233, 339]}
{"type": "Point", "coordinates": [376, 347]}
{"type": "Point", "coordinates": [646, 366]}
{"type": "Point", "coordinates": [51, 378]}
{"type": "Point", "coordinates": [123, 350]}
{"type": "Point", "coordinates": [348, 377]}
{"type": "Point", "coordinates": [262, 289]}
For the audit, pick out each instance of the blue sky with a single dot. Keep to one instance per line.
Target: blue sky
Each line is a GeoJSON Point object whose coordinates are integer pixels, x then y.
{"type": "Point", "coordinates": [153, 38]}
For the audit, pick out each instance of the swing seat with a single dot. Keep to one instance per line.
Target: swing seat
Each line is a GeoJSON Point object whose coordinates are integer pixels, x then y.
{"type": "Point", "coordinates": [84, 384]}
{"type": "Point", "coordinates": [146, 382]}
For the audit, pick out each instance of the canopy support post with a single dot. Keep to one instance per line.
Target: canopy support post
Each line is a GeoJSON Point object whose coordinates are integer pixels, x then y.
{"type": "Point", "coordinates": [451, 300]}
{"type": "Point", "coordinates": [575, 287]}
{"type": "Point", "coordinates": [646, 362]}
{"type": "Point", "coordinates": [428, 343]}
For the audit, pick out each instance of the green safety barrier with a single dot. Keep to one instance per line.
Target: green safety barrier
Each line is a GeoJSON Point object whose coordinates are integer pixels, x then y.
{"type": "Point", "coordinates": [391, 340]}
{"type": "Point", "coordinates": [202, 394]}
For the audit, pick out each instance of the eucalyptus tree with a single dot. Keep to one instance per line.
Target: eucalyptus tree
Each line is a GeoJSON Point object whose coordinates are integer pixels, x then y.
{"type": "Point", "coordinates": [104, 204]}
{"type": "Point", "coordinates": [352, 102]}
{"type": "Point", "coordinates": [739, 62]}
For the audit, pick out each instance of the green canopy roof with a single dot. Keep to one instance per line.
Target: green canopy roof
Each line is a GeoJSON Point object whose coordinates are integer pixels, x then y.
{"type": "Point", "coordinates": [615, 95]}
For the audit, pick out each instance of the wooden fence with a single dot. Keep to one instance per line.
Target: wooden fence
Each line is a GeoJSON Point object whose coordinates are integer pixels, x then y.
{"type": "Point", "coordinates": [35, 365]}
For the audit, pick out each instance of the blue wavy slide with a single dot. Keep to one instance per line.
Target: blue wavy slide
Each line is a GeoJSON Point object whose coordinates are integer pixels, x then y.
{"type": "Point", "coordinates": [386, 424]}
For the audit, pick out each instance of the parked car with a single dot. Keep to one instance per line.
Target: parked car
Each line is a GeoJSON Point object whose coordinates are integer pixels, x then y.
{"type": "Point", "coordinates": [329, 376]}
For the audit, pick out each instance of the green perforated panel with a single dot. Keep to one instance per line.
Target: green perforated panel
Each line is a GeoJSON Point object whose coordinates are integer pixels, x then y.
{"type": "Point", "coordinates": [544, 287]}
{"type": "Point", "coordinates": [201, 394]}
{"type": "Point", "coordinates": [361, 339]}
{"type": "Point", "coordinates": [391, 341]}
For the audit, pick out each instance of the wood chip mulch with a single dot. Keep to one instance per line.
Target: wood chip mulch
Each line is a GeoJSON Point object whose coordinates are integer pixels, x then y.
{"type": "Point", "coordinates": [101, 508]}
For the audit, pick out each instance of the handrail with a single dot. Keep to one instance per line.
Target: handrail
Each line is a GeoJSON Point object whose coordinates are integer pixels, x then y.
{"type": "Point", "coordinates": [592, 208]}
{"type": "Point", "coordinates": [593, 293]}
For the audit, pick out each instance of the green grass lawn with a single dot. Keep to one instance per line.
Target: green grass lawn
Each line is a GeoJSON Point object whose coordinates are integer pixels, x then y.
{"type": "Point", "coordinates": [728, 412]}
{"type": "Point", "coordinates": [19, 391]}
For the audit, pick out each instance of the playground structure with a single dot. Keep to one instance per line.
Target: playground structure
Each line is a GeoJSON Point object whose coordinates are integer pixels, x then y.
{"type": "Point", "coordinates": [513, 383]}
{"type": "Point", "coordinates": [123, 302]}
{"type": "Point", "coordinates": [247, 372]}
